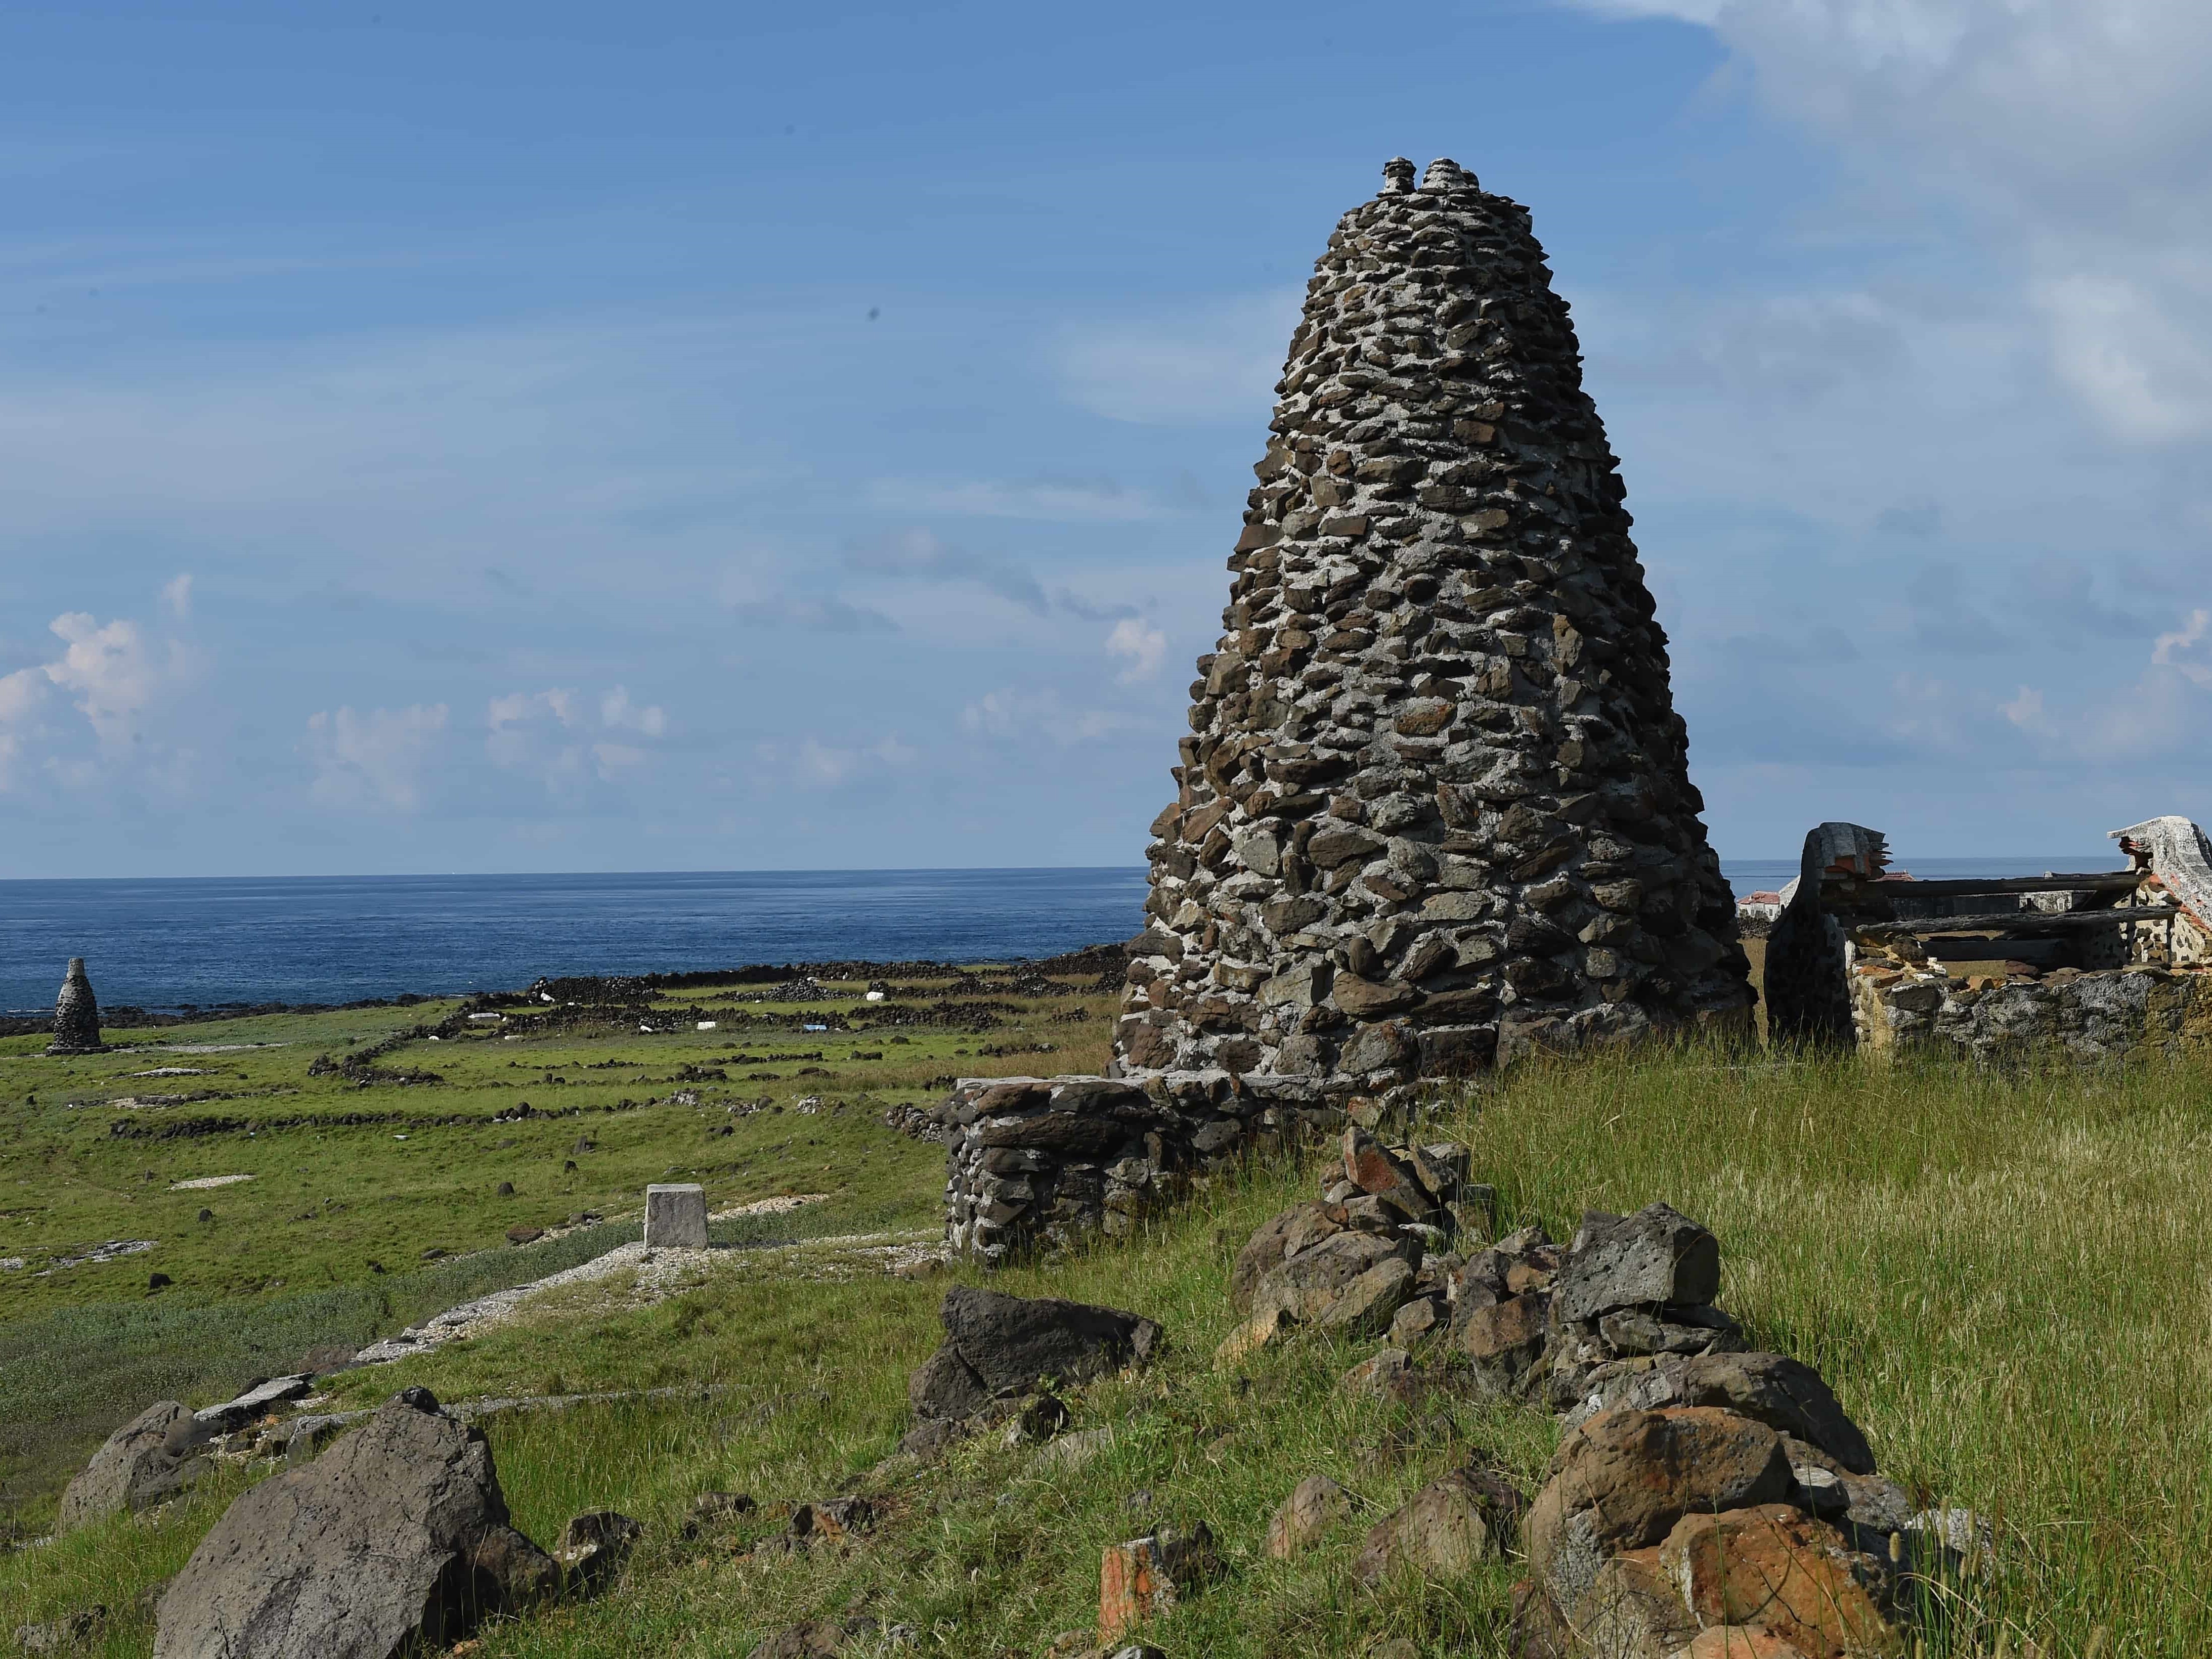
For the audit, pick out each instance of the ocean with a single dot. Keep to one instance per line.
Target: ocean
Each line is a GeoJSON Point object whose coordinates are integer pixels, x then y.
{"type": "Point", "coordinates": [163, 944]}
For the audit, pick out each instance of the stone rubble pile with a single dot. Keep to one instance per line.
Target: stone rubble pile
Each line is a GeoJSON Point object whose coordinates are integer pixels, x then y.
{"type": "Point", "coordinates": [1705, 1499]}
{"type": "Point", "coordinates": [1434, 809]}
{"type": "Point", "coordinates": [1366, 1258]}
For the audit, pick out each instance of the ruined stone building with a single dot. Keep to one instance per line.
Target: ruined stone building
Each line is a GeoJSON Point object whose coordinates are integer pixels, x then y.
{"type": "Point", "coordinates": [2093, 965]}
{"type": "Point", "coordinates": [1435, 802]}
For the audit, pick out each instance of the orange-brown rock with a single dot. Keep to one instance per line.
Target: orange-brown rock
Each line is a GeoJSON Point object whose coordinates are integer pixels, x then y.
{"type": "Point", "coordinates": [1740, 1641]}
{"type": "Point", "coordinates": [1445, 1529]}
{"type": "Point", "coordinates": [1144, 1578]}
{"type": "Point", "coordinates": [1779, 1569]}
{"type": "Point", "coordinates": [1315, 1505]}
{"type": "Point", "coordinates": [1621, 1481]}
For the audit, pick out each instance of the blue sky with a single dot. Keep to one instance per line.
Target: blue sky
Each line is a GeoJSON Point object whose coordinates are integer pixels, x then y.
{"type": "Point", "coordinates": [728, 437]}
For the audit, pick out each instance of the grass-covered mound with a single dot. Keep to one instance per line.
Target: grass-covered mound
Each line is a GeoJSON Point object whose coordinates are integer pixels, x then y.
{"type": "Point", "coordinates": [2003, 1279]}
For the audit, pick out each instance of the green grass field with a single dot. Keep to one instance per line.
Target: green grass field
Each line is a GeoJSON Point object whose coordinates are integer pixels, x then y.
{"type": "Point", "coordinates": [371, 1207]}
{"type": "Point", "coordinates": [2006, 1279]}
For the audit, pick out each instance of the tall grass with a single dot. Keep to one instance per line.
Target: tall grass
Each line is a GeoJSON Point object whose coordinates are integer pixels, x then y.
{"type": "Point", "coordinates": [2007, 1279]}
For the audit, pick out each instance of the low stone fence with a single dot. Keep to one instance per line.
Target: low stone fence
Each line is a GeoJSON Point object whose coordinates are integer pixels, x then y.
{"type": "Point", "coordinates": [1034, 1162]}
{"type": "Point", "coordinates": [1900, 1003]}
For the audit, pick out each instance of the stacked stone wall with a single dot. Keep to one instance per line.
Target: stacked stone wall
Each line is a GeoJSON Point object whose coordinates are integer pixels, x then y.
{"type": "Point", "coordinates": [1434, 807]}
{"type": "Point", "coordinates": [1032, 1163]}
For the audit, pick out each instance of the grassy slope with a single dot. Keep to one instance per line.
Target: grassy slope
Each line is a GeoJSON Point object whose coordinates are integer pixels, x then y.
{"type": "Point", "coordinates": [2003, 1279]}
{"type": "Point", "coordinates": [327, 1244]}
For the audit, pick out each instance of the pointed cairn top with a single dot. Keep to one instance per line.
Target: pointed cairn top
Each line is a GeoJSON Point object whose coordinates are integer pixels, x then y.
{"type": "Point", "coordinates": [1445, 175]}
{"type": "Point", "coordinates": [1397, 176]}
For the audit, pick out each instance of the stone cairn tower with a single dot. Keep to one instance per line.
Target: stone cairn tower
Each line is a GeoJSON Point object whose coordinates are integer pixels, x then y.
{"type": "Point", "coordinates": [76, 1015]}
{"type": "Point", "coordinates": [1434, 811]}
{"type": "Point", "coordinates": [1435, 808]}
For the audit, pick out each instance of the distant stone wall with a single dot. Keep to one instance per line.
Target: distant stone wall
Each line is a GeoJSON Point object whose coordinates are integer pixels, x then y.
{"type": "Point", "coordinates": [1035, 1162]}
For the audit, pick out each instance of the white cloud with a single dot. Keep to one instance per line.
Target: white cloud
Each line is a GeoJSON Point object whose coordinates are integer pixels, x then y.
{"type": "Point", "coordinates": [1212, 361]}
{"type": "Point", "coordinates": [178, 594]}
{"type": "Point", "coordinates": [2134, 350]}
{"type": "Point", "coordinates": [109, 669]}
{"type": "Point", "coordinates": [2180, 650]}
{"type": "Point", "coordinates": [2066, 143]}
{"type": "Point", "coordinates": [1008, 715]}
{"type": "Point", "coordinates": [2025, 710]}
{"type": "Point", "coordinates": [1143, 645]}
{"type": "Point", "coordinates": [565, 741]}
{"type": "Point", "coordinates": [1051, 500]}
{"type": "Point", "coordinates": [376, 759]}
{"type": "Point", "coordinates": [617, 713]}
{"type": "Point", "coordinates": [819, 765]}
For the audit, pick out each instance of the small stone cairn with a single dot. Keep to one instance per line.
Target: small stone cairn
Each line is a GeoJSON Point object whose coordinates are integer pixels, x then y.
{"type": "Point", "coordinates": [76, 1015]}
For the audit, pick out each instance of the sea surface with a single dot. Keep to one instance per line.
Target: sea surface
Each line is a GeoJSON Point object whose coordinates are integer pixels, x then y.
{"type": "Point", "coordinates": [342, 938]}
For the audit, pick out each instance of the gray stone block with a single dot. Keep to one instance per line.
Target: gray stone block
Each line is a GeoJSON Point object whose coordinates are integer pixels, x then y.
{"type": "Point", "coordinates": [675, 1217]}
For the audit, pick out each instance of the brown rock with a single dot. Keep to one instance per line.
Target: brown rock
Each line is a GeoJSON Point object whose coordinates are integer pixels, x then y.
{"type": "Point", "coordinates": [1740, 1641]}
{"type": "Point", "coordinates": [1316, 1504]}
{"type": "Point", "coordinates": [1146, 1577]}
{"type": "Point", "coordinates": [1537, 1631]}
{"type": "Point", "coordinates": [1416, 1319]}
{"type": "Point", "coordinates": [1351, 1280]}
{"type": "Point", "coordinates": [1424, 718]}
{"type": "Point", "coordinates": [1786, 1394]}
{"type": "Point", "coordinates": [1269, 1326]}
{"type": "Point", "coordinates": [1369, 998]}
{"type": "Point", "coordinates": [1621, 1481]}
{"type": "Point", "coordinates": [1504, 1341]}
{"type": "Point", "coordinates": [1279, 1238]}
{"type": "Point", "coordinates": [1775, 1568]}
{"type": "Point", "coordinates": [1389, 1375]}
{"type": "Point", "coordinates": [1445, 1529]}
{"type": "Point", "coordinates": [1632, 1610]}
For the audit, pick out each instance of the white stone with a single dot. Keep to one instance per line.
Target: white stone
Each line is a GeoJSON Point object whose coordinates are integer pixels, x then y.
{"type": "Point", "coordinates": [709, 1024]}
{"type": "Point", "coordinates": [675, 1217]}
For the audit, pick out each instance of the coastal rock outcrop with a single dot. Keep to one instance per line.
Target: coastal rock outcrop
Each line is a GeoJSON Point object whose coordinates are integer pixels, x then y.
{"type": "Point", "coordinates": [1435, 810]}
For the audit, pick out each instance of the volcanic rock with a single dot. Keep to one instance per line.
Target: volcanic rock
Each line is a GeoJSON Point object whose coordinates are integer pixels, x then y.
{"type": "Point", "coordinates": [1000, 1347]}
{"type": "Point", "coordinates": [148, 1460]}
{"type": "Point", "coordinates": [395, 1538]}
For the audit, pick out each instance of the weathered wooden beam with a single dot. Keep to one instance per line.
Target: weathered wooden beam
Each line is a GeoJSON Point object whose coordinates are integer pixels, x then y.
{"type": "Point", "coordinates": [2022, 921]}
{"type": "Point", "coordinates": [2101, 881]}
